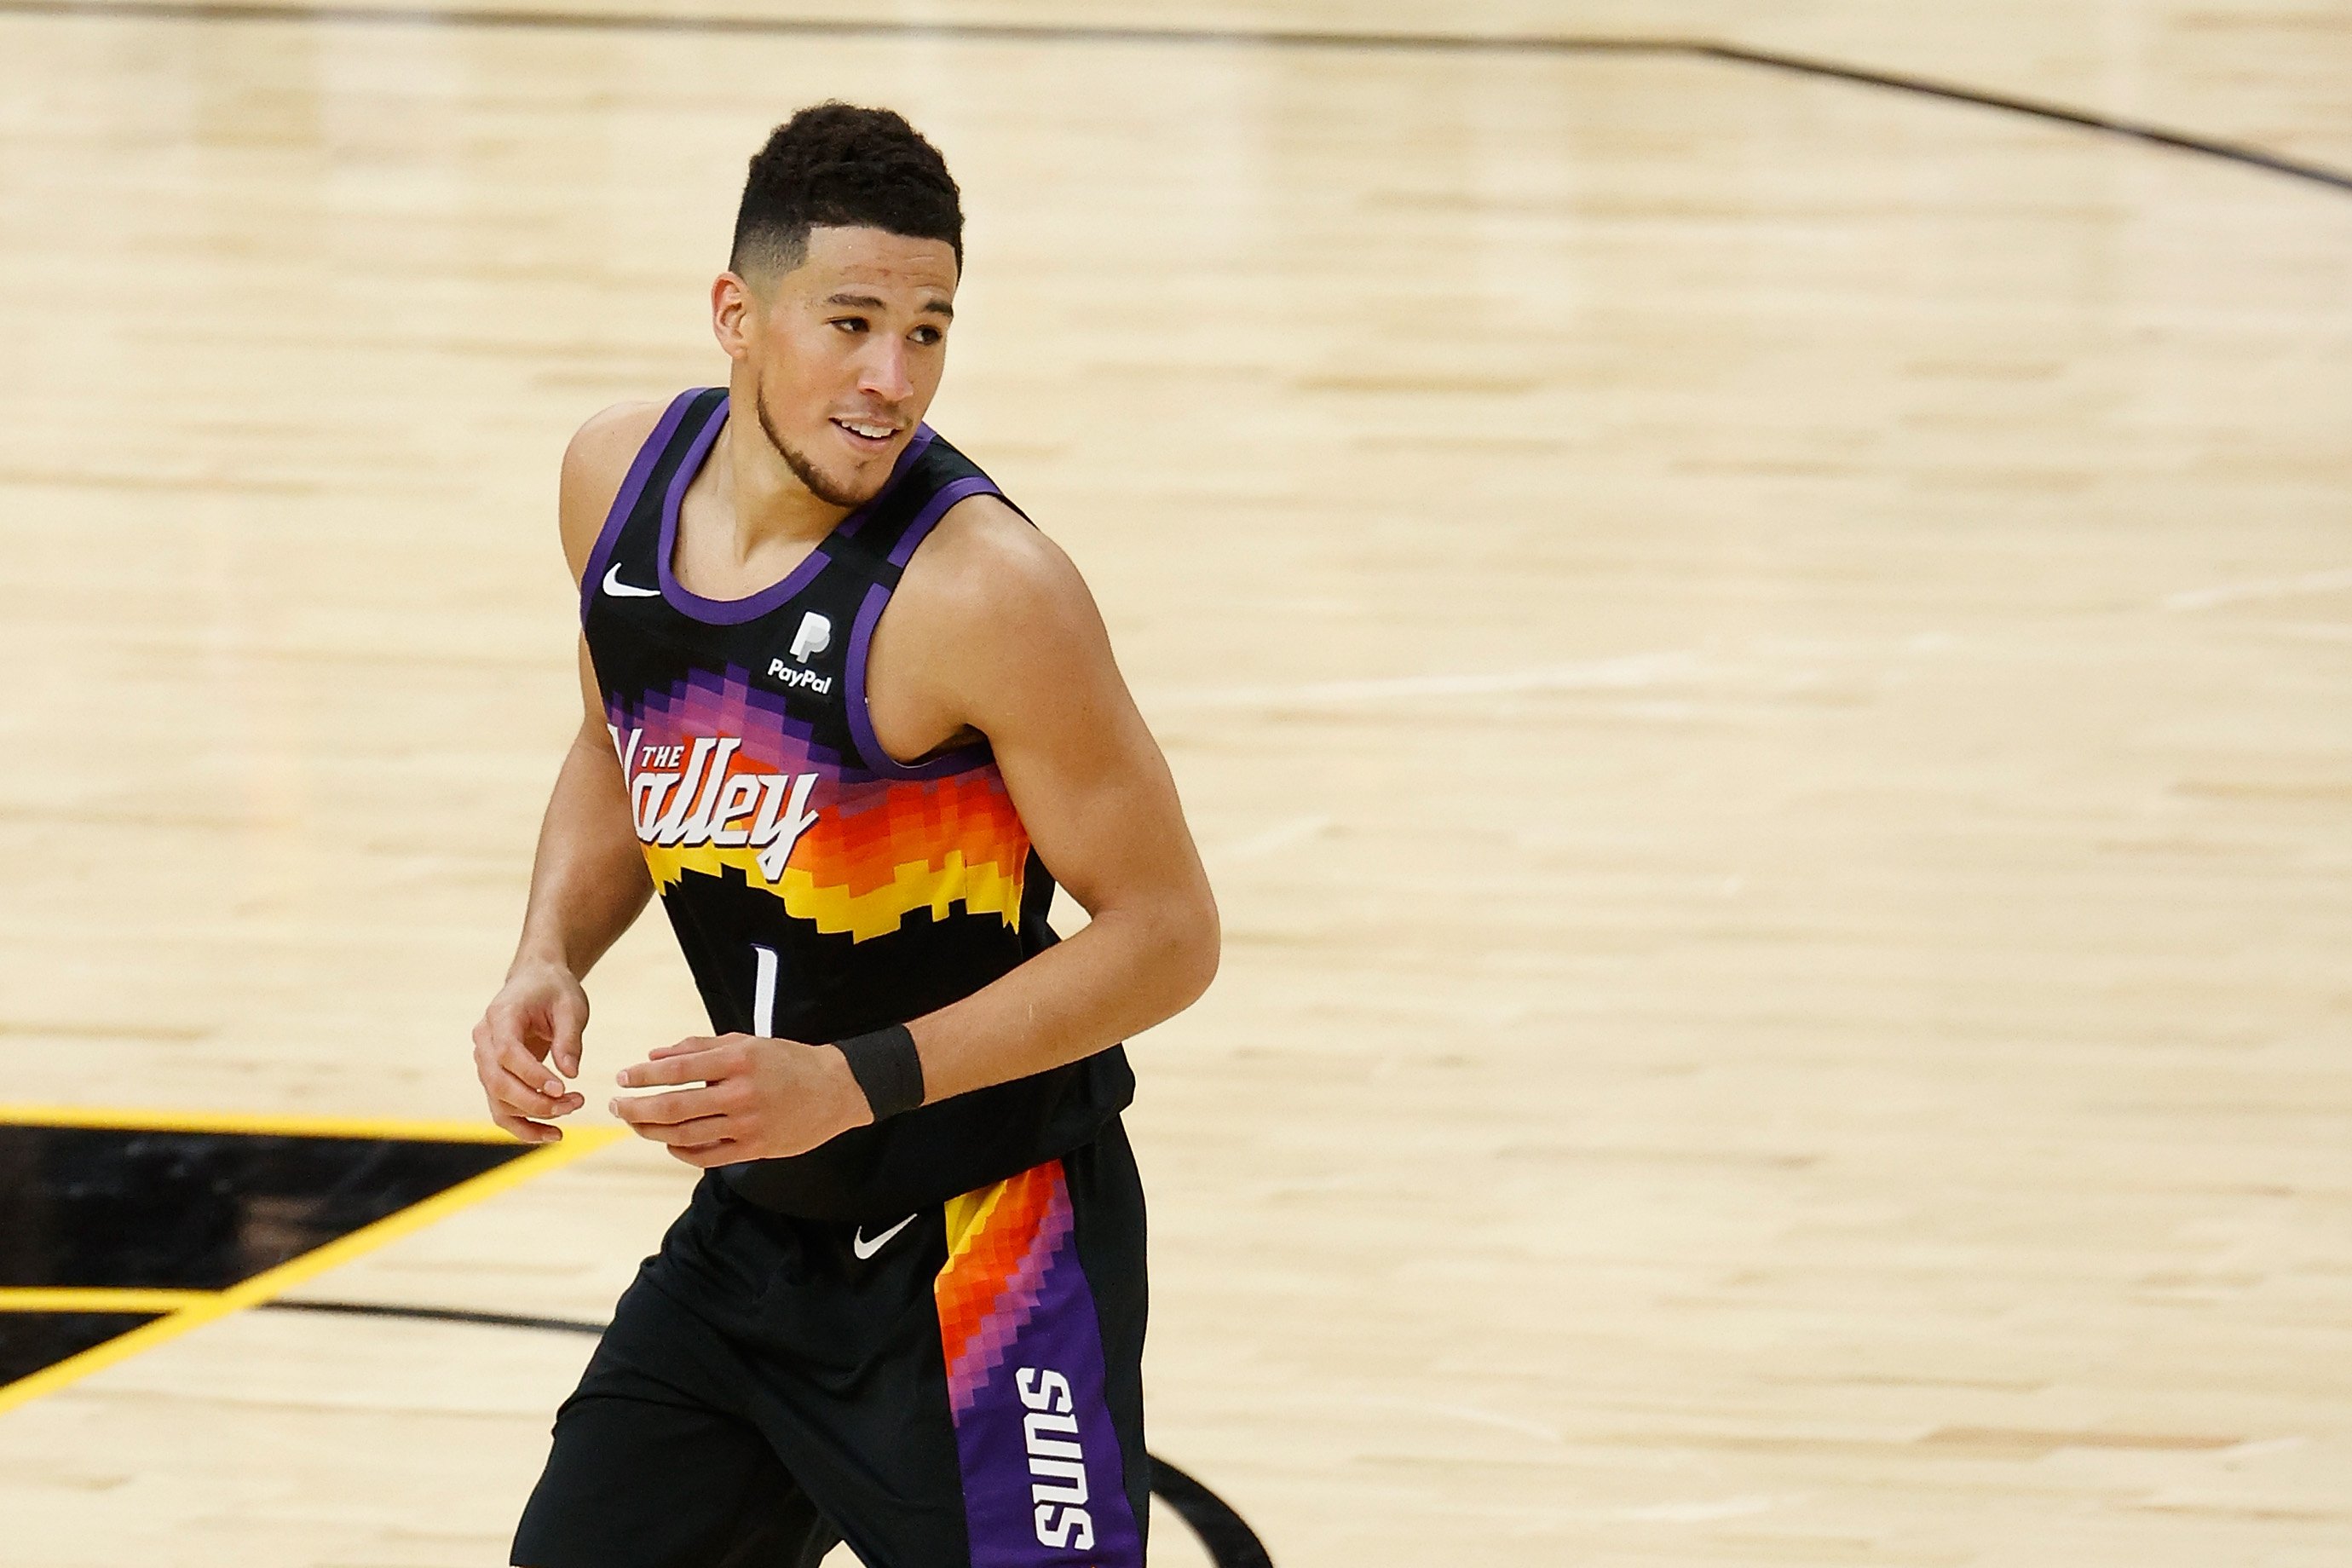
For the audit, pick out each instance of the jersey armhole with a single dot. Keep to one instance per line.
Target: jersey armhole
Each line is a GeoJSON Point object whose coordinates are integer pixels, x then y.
{"type": "Point", "coordinates": [939, 764]}
{"type": "Point", "coordinates": [625, 501]}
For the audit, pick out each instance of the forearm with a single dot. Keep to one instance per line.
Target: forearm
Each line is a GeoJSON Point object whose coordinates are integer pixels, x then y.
{"type": "Point", "coordinates": [588, 879]}
{"type": "Point", "coordinates": [1125, 972]}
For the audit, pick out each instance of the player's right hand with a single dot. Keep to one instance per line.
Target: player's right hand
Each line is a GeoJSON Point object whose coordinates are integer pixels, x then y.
{"type": "Point", "coordinates": [529, 1033]}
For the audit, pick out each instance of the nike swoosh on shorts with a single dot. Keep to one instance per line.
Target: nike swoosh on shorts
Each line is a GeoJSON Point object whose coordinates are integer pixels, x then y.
{"type": "Point", "coordinates": [864, 1248]}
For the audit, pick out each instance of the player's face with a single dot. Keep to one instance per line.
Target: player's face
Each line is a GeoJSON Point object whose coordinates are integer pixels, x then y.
{"type": "Point", "coordinates": [844, 354]}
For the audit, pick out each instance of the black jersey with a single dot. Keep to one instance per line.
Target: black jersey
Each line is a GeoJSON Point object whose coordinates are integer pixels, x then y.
{"type": "Point", "coordinates": [819, 887]}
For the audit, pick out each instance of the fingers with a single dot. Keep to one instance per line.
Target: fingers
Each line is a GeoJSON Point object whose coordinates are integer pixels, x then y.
{"type": "Point", "coordinates": [681, 1106]}
{"type": "Point", "coordinates": [522, 1082]}
{"type": "Point", "coordinates": [535, 1015]}
{"type": "Point", "coordinates": [527, 1130]}
{"type": "Point", "coordinates": [515, 1080]}
{"type": "Point", "coordinates": [703, 1156]}
{"type": "Point", "coordinates": [569, 1016]}
{"type": "Point", "coordinates": [522, 1126]}
{"type": "Point", "coordinates": [502, 1037]}
{"type": "Point", "coordinates": [674, 1063]}
{"type": "Point", "coordinates": [700, 1130]}
{"type": "Point", "coordinates": [507, 1023]}
{"type": "Point", "coordinates": [687, 1047]}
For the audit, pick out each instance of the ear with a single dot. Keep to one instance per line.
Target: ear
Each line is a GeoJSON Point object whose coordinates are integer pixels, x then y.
{"type": "Point", "coordinates": [734, 309]}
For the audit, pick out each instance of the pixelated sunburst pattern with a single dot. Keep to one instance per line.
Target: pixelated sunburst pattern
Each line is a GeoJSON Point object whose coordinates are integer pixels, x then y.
{"type": "Point", "coordinates": [879, 848]}
{"type": "Point", "coordinates": [1003, 1242]}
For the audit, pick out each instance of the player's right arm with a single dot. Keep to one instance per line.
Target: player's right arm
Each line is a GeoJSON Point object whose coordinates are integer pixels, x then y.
{"type": "Point", "coordinates": [588, 879]}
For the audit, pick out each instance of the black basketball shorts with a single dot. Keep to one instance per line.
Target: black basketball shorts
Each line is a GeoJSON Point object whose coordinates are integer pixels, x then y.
{"type": "Point", "coordinates": [959, 1387]}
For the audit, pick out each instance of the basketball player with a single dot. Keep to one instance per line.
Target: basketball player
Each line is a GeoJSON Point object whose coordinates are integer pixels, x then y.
{"type": "Point", "coordinates": [844, 708]}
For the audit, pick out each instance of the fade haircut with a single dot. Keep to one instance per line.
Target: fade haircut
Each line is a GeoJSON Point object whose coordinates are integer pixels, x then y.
{"type": "Point", "coordinates": [839, 165]}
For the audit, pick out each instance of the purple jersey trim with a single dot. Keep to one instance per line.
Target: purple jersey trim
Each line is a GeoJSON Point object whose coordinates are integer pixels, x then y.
{"type": "Point", "coordinates": [735, 611]}
{"type": "Point", "coordinates": [935, 508]}
{"type": "Point", "coordinates": [1033, 1426]}
{"type": "Point", "coordinates": [626, 500]}
{"type": "Point", "coordinates": [861, 721]}
{"type": "Point", "coordinates": [861, 638]}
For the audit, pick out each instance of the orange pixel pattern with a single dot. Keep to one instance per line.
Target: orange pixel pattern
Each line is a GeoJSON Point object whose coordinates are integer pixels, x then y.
{"type": "Point", "coordinates": [886, 848]}
{"type": "Point", "coordinates": [1001, 1241]}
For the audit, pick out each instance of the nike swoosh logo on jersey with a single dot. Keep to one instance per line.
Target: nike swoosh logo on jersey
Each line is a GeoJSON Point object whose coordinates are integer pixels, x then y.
{"type": "Point", "coordinates": [620, 590]}
{"type": "Point", "coordinates": [866, 1249]}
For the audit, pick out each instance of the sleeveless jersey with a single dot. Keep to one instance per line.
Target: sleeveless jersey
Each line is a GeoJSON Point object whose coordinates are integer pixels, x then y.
{"type": "Point", "coordinates": [818, 887]}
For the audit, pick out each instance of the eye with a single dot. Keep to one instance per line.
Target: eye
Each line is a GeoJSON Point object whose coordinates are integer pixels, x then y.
{"type": "Point", "coordinates": [851, 325]}
{"type": "Point", "coordinates": [927, 335]}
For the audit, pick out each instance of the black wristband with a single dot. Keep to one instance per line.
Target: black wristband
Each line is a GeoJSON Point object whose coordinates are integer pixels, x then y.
{"type": "Point", "coordinates": [887, 1067]}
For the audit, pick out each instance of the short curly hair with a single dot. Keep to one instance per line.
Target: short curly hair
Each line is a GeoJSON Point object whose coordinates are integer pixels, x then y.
{"type": "Point", "coordinates": [838, 165]}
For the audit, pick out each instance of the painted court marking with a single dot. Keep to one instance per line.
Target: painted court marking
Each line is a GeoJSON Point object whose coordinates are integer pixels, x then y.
{"type": "Point", "coordinates": [1223, 1533]}
{"type": "Point", "coordinates": [185, 1310]}
{"type": "Point", "coordinates": [1227, 1538]}
{"type": "Point", "coordinates": [488, 17]}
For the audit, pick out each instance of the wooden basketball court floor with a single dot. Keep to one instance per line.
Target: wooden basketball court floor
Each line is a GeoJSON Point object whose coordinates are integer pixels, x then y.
{"type": "Point", "coordinates": [1761, 661]}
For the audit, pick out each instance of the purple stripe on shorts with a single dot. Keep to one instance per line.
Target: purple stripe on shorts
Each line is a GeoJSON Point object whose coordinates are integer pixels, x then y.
{"type": "Point", "coordinates": [1044, 1480]}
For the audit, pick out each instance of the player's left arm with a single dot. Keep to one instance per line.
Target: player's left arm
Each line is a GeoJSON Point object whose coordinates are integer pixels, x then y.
{"type": "Point", "coordinates": [1008, 641]}
{"type": "Point", "coordinates": [991, 630]}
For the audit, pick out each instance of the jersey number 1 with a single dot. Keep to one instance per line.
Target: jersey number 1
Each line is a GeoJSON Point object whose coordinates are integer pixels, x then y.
{"type": "Point", "coordinates": [763, 991]}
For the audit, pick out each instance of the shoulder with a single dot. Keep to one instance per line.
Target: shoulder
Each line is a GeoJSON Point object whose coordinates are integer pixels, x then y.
{"type": "Point", "coordinates": [595, 463]}
{"type": "Point", "coordinates": [987, 576]}
{"type": "Point", "coordinates": [996, 623]}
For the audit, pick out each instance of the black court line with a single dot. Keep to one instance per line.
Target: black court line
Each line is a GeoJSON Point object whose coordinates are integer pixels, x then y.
{"type": "Point", "coordinates": [1230, 1542]}
{"type": "Point", "coordinates": [2138, 131]}
{"type": "Point", "coordinates": [1223, 1534]}
{"type": "Point", "coordinates": [2131, 129]}
{"type": "Point", "coordinates": [436, 1315]}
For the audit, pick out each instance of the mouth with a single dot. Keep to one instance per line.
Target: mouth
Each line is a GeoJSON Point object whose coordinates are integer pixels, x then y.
{"type": "Point", "coordinates": [866, 434]}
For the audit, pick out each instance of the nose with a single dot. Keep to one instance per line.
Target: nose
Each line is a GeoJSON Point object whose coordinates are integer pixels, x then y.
{"type": "Point", "coordinates": [882, 370]}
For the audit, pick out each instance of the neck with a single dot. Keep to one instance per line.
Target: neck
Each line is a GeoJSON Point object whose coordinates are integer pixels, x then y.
{"type": "Point", "coordinates": [771, 504]}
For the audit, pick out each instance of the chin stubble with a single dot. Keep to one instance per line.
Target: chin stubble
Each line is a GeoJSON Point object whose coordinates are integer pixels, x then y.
{"type": "Point", "coordinates": [824, 489]}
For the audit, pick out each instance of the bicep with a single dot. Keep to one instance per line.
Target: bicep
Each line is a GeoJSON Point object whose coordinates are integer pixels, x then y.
{"type": "Point", "coordinates": [1084, 770]}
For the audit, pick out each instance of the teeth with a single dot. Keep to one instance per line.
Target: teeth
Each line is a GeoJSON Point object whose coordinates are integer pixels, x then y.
{"type": "Point", "coordinates": [871, 432]}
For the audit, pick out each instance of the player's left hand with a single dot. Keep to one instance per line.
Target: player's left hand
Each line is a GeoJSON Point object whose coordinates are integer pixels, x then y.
{"type": "Point", "coordinates": [761, 1099]}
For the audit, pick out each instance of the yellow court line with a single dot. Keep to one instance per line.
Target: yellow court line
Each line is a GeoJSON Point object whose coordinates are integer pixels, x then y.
{"type": "Point", "coordinates": [96, 1299]}
{"type": "Point", "coordinates": [144, 1120]}
{"type": "Point", "coordinates": [577, 1142]}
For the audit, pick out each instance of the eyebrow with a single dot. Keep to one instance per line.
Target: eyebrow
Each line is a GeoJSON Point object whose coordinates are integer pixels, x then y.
{"type": "Point", "coordinates": [868, 302]}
